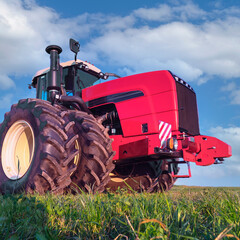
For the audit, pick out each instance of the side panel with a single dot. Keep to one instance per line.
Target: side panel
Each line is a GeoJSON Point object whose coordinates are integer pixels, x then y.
{"type": "Point", "coordinates": [133, 147]}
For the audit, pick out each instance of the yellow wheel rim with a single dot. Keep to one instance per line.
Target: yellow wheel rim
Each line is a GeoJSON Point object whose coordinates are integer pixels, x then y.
{"type": "Point", "coordinates": [18, 149]}
{"type": "Point", "coordinates": [76, 158]}
{"type": "Point", "coordinates": [115, 178]}
{"type": "Point", "coordinates": [118, 178]}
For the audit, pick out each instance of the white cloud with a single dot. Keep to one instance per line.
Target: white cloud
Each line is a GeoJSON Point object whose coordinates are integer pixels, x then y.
{"type": "Point", "coordinates": [195, 52]}
{"type": "Point", "coordinates": [232, 11]}
{"type": "Point", "coordinates": [165, 13]}
{"type": "Point", "coordinates": [130, 43]}
{"type": "Point", "coordinates": [229, 87]}
{"type": "Point", "coordinates": [234, 94]}
{"type": "Point", "coordinates": [117, 23]}
{"type": "Point", "coordinates": [235, 97]}
{"type": "Point", "coordinates": [162, 13]}
{"type": "Point", "coordinates": [6, 101]}
{"type": "Point", "coordinates": [27, 28]}
{"type": "Point", "coordinates": [6, 82]}
{"type": "Point", "coordinates": [231, 136]}
{"type": "Point", "coordinates": [189, 11]}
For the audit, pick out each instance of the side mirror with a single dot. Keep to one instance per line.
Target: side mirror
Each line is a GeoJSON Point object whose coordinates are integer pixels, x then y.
{"type": "Point", "coordinates": [74, 46]}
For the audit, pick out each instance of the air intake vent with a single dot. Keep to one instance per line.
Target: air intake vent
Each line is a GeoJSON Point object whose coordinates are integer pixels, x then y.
{"type": "Point", "coordinates": [187, 107]}
{"type": "Point", "coordinates": [178, 79]}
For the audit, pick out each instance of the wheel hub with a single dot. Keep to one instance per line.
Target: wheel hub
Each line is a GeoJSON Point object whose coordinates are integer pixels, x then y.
{"type": "Point", "coordinates": [18, 149]}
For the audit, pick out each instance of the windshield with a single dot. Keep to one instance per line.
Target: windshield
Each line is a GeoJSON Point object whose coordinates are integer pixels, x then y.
{"type": "Point", "coordinates": [75, 79]}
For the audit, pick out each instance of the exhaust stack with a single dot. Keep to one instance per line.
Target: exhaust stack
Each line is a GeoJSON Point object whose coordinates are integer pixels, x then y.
{"type": "Point", "coordinates": [54, 82]}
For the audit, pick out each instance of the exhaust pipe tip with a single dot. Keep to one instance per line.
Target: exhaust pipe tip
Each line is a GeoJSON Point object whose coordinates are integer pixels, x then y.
{"type": "Point", "coordinates": [53, 48]}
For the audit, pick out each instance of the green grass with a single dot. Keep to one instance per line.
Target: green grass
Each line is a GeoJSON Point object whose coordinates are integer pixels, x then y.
{"type": "Point", "coordinates": [182, 213]}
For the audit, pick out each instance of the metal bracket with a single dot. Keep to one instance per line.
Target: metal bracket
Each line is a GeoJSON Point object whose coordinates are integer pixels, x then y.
{"type": "Point", "coordinates": [182, 176]}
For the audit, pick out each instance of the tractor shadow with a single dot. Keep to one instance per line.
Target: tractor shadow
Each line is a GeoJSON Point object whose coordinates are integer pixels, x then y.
{"type": "Point", "coordinates": [26, 217]}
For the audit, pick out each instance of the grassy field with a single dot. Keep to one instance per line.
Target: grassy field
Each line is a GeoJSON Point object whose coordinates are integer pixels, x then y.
{"type": "Point", "coordinates": [182, 213]}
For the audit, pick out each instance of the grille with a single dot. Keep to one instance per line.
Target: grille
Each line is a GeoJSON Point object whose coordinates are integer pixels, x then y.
{"type": "Point", "coordinates": [187, 107]}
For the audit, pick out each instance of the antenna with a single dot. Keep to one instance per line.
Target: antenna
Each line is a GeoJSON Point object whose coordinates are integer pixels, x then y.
{"type": "Point", "coordinates": [74, 46]}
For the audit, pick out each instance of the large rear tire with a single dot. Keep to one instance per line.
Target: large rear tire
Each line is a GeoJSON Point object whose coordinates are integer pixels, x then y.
{"type": "Point", "coordinates": [35, 143]}
{"type": "Point", "coordinates": [95, 154]}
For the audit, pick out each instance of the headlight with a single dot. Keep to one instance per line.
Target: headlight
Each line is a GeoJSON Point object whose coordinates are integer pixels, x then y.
{"type": "Point", "coordinates": [172, 144]}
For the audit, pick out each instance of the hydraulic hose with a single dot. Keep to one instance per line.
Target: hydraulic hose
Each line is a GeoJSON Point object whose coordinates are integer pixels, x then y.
{"type": "Point", "coordinates": [77, 100]}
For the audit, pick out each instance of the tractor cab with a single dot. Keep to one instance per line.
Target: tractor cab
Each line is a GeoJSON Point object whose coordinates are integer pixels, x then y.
{"type": "Point", "coordinates": [73, 76]}
{"type": "Point", "coordinates": [69, 77]}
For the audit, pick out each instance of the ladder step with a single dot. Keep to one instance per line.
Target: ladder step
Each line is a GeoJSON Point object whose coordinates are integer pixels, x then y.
{"type": "Point", "coordinates": [182, 176]}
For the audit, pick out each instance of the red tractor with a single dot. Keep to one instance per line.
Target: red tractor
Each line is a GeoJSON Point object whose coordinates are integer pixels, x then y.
{"type": "Point", "coordinates": [79, 134]}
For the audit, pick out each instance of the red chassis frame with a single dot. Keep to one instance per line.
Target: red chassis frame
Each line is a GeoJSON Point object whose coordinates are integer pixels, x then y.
{"type": "Point", "coordinates": [155, 99]}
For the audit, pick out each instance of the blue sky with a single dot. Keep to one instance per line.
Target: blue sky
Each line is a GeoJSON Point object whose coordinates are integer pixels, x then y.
{"type": "Point", "coordinates": [197, 40]}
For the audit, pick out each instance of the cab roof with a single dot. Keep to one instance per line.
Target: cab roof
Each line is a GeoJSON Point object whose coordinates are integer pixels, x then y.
{"type": "Point", "coordinates": [66, 64]}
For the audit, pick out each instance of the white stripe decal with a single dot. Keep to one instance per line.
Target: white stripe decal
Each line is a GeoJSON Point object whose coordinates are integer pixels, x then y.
{"type": "Point", "coordinates": [165, 132]}
{"type": "Point", "coordinates": [166, 136]}
{"type": "Point", "coordinates": [162, 131]}
{"type": "Point", "coordinates": [160, 125]}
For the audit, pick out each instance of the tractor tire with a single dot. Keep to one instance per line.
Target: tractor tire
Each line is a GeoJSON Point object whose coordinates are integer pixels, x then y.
{"type": "Point", "coordinates": [133, 178]}
{"type": "Point", "coordinates": [145, 177]}
{"type": "Point", "coordinates": [166, 180]}
{"type": "Point", "coordinates": [36, 142]}
{"type": "Point", "coordinates": [94, 162]}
